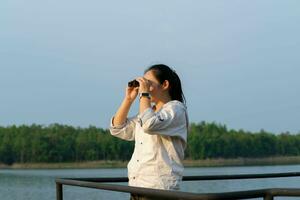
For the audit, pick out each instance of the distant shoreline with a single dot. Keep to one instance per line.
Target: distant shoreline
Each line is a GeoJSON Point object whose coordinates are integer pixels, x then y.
{"type": "Point", "coordinates": [221, 162]}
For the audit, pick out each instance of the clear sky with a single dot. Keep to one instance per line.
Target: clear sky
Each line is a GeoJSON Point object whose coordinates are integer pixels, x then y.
{"type": "Point", "coordinates": [68, 61]}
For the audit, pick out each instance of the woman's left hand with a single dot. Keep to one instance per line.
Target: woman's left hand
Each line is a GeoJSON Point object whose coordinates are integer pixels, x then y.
{"type": "Point", "coordinates": [144, 84]}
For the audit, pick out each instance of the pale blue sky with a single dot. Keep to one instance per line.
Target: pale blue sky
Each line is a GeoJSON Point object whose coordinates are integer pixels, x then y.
{"type": "Point", "coordinates": [69, 61]}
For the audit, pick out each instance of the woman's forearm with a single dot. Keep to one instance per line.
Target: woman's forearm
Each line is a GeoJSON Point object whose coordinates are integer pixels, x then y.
{"type": "Point", "coordinates": [121, 114]}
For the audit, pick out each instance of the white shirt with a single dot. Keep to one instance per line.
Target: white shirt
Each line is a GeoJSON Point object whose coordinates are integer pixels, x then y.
{"type": "Point", "coordinates": [160, 140]}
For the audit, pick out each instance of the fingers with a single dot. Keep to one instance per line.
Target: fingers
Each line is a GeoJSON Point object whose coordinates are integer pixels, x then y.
{"type": "Point", "coordinates": [131, 88]}
{"type": "Point", "coordinates": [142, 80]}
{"type": "Point", "coordinates": [139, 79]}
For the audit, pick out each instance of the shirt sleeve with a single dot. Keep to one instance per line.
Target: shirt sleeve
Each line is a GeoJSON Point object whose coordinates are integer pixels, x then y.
{"type": "Point", "coordinates": [124, 131]}
{"type": "Point", "coordinates": [170, 120]}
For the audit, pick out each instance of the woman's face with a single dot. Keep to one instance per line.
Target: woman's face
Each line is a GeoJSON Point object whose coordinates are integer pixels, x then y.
{"type": "Point", "coordinates": [156, 89]}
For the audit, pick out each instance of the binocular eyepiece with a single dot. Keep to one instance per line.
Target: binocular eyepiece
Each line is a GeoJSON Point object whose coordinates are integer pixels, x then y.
{"type": "Point", "coordinates": [133, 83]}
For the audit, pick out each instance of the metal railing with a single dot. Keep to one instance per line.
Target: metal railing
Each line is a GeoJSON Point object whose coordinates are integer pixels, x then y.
{"type": "Point", "coordinates": [102, 183]}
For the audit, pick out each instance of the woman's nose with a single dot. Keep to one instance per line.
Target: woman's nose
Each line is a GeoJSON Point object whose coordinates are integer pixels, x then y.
{"type": "Point", "coordinates": [151, 88]}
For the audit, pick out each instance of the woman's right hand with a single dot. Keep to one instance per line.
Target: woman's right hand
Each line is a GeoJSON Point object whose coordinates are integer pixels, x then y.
{"type": "Point", "coordinates": [131, 93]}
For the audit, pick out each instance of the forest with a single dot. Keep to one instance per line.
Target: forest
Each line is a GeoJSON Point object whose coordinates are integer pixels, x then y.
{"type": "Point", "coordinates": [63, 143]}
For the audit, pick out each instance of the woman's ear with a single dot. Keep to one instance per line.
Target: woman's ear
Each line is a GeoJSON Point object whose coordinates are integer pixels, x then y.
{"type": "Point", "coordinates": [166, 85]}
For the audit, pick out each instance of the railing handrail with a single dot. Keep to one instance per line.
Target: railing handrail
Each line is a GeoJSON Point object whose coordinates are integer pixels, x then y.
{"type": "Point", "coordinates": [267, 193]}
{"type": "Point", "coordinates": [200, 178]}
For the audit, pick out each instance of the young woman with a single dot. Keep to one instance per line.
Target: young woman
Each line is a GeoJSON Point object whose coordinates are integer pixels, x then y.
{"type": "Point", "coordinates": [159, 131]}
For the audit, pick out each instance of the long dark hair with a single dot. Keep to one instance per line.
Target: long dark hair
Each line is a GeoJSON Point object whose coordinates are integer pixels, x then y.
{"type": "Point", "coordinates": [163, 72]}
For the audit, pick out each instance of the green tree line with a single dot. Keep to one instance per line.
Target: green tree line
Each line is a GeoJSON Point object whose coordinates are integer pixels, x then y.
{"type": "Point", "coordinates": [63, 143]}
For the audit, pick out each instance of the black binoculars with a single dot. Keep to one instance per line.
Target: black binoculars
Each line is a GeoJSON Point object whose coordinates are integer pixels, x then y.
{"type": "Point", "coordinates": [133, 83]}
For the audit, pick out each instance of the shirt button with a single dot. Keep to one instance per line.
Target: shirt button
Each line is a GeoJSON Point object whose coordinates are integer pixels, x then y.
{"type": "Point", "coordinates": [141, 143]}
{"type": "Point", "coordinates": [133, 177]}
{"type": "Point", "coordinates": [137, 160]}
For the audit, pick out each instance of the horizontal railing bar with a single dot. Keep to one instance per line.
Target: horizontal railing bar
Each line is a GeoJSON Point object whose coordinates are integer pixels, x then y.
{"type": "Point", "coordinates": [241, 176]}
{"type": "Point", "coordinates": [171, 194]}
{"type": "Point", "coordinates": [106, 179]}
{"type": "Point", "coordinates": [97, 183]}
{"type": "Point", "coordinates": [285, 192]}
{"type": "Point", "coordinates": [198, 178]}
{"type": "Point", "coordinates": [129, 189]}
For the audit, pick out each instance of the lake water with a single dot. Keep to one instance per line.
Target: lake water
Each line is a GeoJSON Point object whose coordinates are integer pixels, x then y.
{"type": "Point", "coordinates": [40, 184]}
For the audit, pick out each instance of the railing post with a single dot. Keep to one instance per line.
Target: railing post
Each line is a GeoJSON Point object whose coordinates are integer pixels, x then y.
{"type": "Point", "coordinates": [59, 191]}
{"type": "Point", "coordinates": [268, 197]}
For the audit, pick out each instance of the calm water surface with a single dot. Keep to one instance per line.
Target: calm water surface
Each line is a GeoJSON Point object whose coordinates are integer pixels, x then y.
{"type": "Point", "coordinates": [40, 184]}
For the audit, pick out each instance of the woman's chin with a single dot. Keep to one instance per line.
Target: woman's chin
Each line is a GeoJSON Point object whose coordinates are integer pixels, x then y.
{"type": "Point", "coordinates": [152, 101]}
